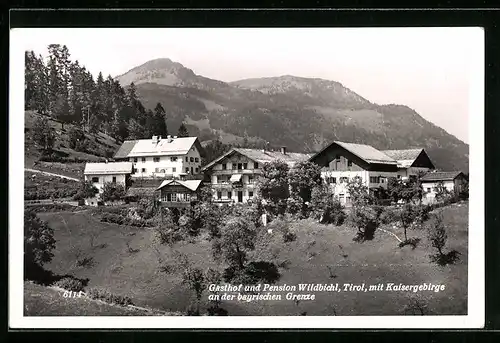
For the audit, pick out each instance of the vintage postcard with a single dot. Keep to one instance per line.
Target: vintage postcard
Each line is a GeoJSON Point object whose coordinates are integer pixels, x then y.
{"type": "Point", "coordinates": [246, 178]}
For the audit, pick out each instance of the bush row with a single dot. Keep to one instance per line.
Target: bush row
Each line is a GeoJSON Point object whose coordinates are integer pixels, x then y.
{"type": "Point", "coordinates": [104, 295]}
{"type": "Point", "coordinates": [69, 284]}
{"type": "Point", "coordinates": [122, 220]}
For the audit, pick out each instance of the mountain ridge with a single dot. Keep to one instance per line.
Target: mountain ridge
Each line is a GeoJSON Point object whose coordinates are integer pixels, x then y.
{"type": "Point", "coordinates": [302, 113]}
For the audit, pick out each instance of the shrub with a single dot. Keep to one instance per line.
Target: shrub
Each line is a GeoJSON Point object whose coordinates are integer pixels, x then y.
{"type": "Point", "coordinates": [325, 208]}
{"type": "Point", "coordinates": [39, 241]}
{"type": "Point", "coordinates": [70, 284]}
{"type": "Point", "coordinates": [104, 295]}
{"type": "Point", "coordinates": [282, 226]}
{"type": "Point", "coordinates": [364, 218]}
{"type": "Point", "coordinates": [112, 192]}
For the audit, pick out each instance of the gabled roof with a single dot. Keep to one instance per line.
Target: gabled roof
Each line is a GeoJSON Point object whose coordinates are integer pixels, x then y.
{"type": "Point", "coordinates": [125, 149]}
{"type": "Point", "coordinates": [140, 191]}
{"type": "Point", "coordinates": [405, 158]}
{"type": "Point", "coordinates": [164, 147]}
{"type": "Point", "coordinates": [263, 156]}
{"type": "Point", "coordinates": [108, 168]}
{"type": "Point", "coordinates": [440, 176]}
{"type": "Point", "coordinates": [366, 152]}
{"type": "Point", "coordinates": [189, 184]}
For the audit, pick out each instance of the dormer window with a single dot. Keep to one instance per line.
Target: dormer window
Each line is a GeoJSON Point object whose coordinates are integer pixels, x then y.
{"type": "Point", "coordinates": [349, 163]}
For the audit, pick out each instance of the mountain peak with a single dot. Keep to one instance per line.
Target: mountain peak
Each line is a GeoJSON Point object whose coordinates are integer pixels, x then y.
{"type": "Point", "coordinates": [164, 71]}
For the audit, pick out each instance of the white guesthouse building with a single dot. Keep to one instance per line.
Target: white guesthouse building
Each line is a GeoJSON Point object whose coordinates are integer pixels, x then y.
{"type": "Point", "coordinates": [233, 175]}
{"type": "Point", "coordinates": [343, 162]}
{"type": "Point", "coordinates": [169, 157]}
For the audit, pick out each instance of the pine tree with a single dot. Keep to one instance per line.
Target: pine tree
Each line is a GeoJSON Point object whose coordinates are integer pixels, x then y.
{"type": "Point", "coordinates": [161, 125]}
{"type": "Point", "coordinates": [150, 127]}
{"type": "Point", "coordinates": [135, 130]}
{"type": "Point", "coordinates": [183, 132]}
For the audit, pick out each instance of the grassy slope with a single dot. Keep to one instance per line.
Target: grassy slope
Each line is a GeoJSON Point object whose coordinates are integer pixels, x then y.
{"type": "Point", "coordinates": [32, 153]}
{"type": "Point", "coordinates": [136, 274]}
{"type": "Point", "coordinates": [45, 301]}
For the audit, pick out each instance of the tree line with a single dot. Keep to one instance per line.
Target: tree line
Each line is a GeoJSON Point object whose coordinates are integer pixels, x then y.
{"type": "Point", "coordinates": [67, 92]}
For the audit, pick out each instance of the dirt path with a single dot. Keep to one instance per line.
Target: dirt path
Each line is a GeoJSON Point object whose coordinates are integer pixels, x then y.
{"type": "Point", "coordinates": [52, 174]}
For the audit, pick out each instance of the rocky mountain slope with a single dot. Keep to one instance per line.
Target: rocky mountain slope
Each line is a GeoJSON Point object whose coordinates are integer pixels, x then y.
{"type": "Point", "coordinates": [304, 114]}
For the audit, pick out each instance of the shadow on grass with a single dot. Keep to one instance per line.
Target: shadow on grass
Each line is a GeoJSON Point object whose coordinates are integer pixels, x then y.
{"type": "Point", "coordinates": [410, 241]}
{"type": "Point", "coordinates": [45, 277]}
{"type": "Point", "coordinates": [445, 259]}
{"type": "Point", "coordinates": [253, 273]}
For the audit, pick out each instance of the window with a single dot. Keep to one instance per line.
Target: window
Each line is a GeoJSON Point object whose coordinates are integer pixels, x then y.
{"type": "Point", "coordinates": [143, 159]}
{"type": "Point", "coordinates": [399, 176]}
{"type": "Point", "coordinates": [143, 170]}
{"type": "Point", "coordinates": [251, 179]}
{"type": "Point", "coordinates": [219, 195]}
{"type": "Point", "coordinates": [173, 158]}
{"type": "Point", "coordinates": [240, 166]}
{"type": "Point", "coordinates": [250, 193]}
{"type": "Point", "coordinates": [157, 170]}
{"type": "Point", "coordinates": [156, 159]}
{"type": "Point", "coordinates": [135, 159]}
{"type": "Point", "coordinates": [331, 180]}
{"type": "Point", "coordinates": [187, 159]}
{"type": "Point", "coordinates": [224, 166]}
{"type": "Point", "coordinates": [374, 179]}
{"type": "Point", "coordinates": [234, 166]}
{"type": "Point", "coordinates": [196, 170]}
{"type": "Point", "coordinates": [95, 179]}
{"type": "Point", "coordinates": [174, 169]}
{"type": "Point", "coordinates": [222, 178]}
{"type": "Point", "coordinates": [245, 165]}
{"type": "Point", "coordinates": [428, 189]}
{"type": "Point", "coordinates": [229, 195]}
{"type": "Point", "coordinates": [134, 170]}
{"type": "Point", "coordinates": [349, 163]}
{"type": "Point", "coordinates": [344, 179]}
{"type": "Point", "coordinates": [187, 169]}
{"type": "Point", "coordinates": [192, 159]}
{"type": "Point", "coordinates": [382, 179]}
{"type": "Point", "coordinates": [196, 159]}
{"type": "Point", "coordinates": [114, 179]}
{"type": "Point", "coordinates": [255, 165]}
{"type": "Point", "coordinates": [337, 158]}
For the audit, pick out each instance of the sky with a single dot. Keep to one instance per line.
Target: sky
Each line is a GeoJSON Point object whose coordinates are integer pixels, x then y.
{"type": "Point", "coordinates": [427, 69]}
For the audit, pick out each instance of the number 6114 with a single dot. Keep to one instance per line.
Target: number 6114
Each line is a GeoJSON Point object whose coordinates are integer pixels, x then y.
{"type": "Point", "coordinates": [72, 294]}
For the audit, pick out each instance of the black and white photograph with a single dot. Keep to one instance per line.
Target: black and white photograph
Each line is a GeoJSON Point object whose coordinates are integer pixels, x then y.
{"type": "Point", "coordinates": [275, 177]}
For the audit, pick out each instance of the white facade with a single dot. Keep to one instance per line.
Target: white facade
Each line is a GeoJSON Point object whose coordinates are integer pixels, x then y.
{"type": "Point", "coordinates": [244, 173]}
{"type": "Point", "coordinates": [411, 171]}
{"type": "Point", "coordinates": [98, 180]}
{"type": "Point", "coordinates": [430, 189]}
{"type": "Point", "coordinates": [164, 166]}
{"type": "Point", "coordinates": [338, 181]}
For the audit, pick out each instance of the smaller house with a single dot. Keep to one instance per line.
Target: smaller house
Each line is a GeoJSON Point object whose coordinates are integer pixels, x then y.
{"type": "Point", "coordinates": [411, 162]}
{"type": "Point", "coordinates": [178, 193]}
{"type": "Point", "coordinates": [451, 181]}
{"type": "Point", "coordinates": [104, 172]}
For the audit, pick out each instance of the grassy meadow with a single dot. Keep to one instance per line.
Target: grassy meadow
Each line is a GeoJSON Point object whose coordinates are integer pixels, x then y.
{"type": "Point", "coordinates": [125, 261]}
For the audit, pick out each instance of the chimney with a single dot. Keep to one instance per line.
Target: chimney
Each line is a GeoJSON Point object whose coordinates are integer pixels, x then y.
{"type": "Point", "coordinates": [169, 138]}
{"type": "Point", "coordinates": [175, 137]}
{"type": "Point", "coordinates": [154, 139]}
{"type": "Point", "coordinates": [283, 150]}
